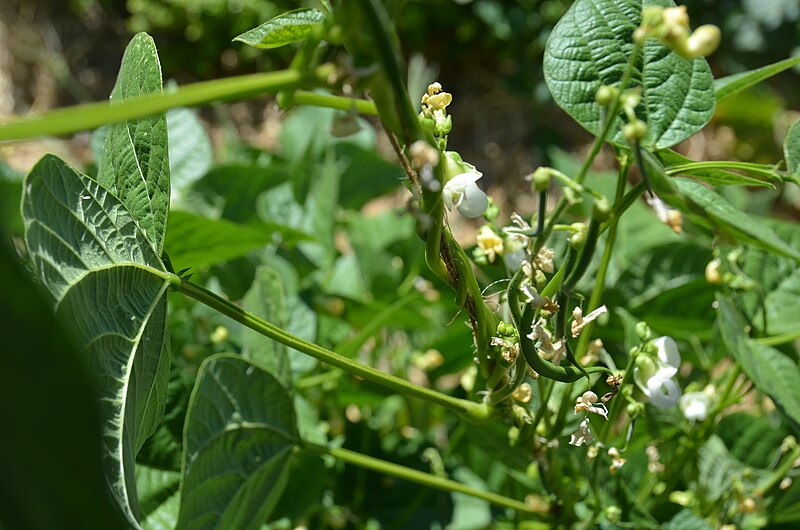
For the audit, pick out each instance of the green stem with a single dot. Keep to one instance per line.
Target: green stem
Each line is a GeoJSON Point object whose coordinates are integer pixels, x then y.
{"type": "Point", "coordinates": [362, 106]}
{"type": "Point", "coordinates": [413, 475]}
{"type": "Point", "coordinates": [776, 340]}
{"type": "Point", "coordinates": [93, 115]}
{"type": "Point", "coordinates": [605, 261]}
{"type": "Point", "coordinates": [468, 409]}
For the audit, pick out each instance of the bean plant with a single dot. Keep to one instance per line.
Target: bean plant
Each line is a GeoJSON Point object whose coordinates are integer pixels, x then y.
{"type": "Point", "coordinates": [266, 349]}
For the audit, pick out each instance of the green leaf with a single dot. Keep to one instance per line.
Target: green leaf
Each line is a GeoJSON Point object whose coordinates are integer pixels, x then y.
{"type": "Point", "coordinates": [284, 29]}
{"type": "Point", "coordinates": [190, 151]}
{"type": "Point", "coordinates": [771, 371]}
{"type": "Point", "coordinates": [591, 46]}
{"type": "Point", "coordinates": [155, 487]}
{"type": "Point", "coordinates": [717, 469]}
{"type": "Point", "coordinates": [753, 440]}
{"type": "Point", "coordinates": [52, 472]}
{"type": "Point", "coordinates": [267, 299]}
{"type": "Point", "coordinates": [712, 173]}
{"type": "Point", "coordinates": [791, 147]}
{"type": "Point", "coordinates": [732, 221]}
{"type": "Point", "coordinates": [686, 520]}
{"type": "Point", "coordinates": [135, 163]}
{"type": "Point", "coordinates": [109, 286]}
{"type": "Point", "coordinates": [240, 433]}
{"type": "Point", "coordinates": [195, 241]}
{"type": "Point", "coordinates": [231, 190]}
{"type": "Point", "coordinates": [725, 87]}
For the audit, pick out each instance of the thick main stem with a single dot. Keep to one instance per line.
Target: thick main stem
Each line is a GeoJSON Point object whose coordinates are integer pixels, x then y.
{"type": "Point", "coordinates": [467, 409]}
{"type": "Point", "coordinates": [426, 479]}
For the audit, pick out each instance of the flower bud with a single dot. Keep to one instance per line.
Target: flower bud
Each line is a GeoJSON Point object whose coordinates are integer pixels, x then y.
{"type": "Point", "coordinates": [541, 178]}
{"type": "Point", "coordinates": [634, 131]}
{"type": "Point", "coordinates": [713, 275]}
{"type": "Point", "coordinates": [704, 41]}
{"type": "Point", "coordinates": [605, 95]}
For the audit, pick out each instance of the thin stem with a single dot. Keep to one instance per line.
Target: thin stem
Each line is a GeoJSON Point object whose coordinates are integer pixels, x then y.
{"type": "Point", "coordinates": [468, 409]}
{"type": "Point", "coordinates": [602, 271]}
{"type": "Point", "coordinates": [362, 106]}
{"type": "Point", "coordinates": [413, 475]}
{"type": "Point", "coordinates": [776, 340]}
{"type": "Point", "coordinates": [92, 115]}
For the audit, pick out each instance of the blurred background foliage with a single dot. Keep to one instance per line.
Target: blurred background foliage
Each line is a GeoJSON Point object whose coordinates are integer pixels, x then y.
{"type": "Point", "coordinates": [283, 219]}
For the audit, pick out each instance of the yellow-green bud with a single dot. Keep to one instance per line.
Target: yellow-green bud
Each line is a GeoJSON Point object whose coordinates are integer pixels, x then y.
{"type": "Point", "coordinates": [601, 209]}
{"type": "Point", "coordinates": [634, 131]}
{"type": "Point", "coordinates": [541, 178]}
{"type": "Point", "coordinates": [605, 95]}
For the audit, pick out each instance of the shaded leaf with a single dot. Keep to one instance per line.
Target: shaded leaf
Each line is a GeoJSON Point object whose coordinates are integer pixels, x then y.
{"type": "Point", "coordinates": [591, 47]}
{"type": "Point", "coordinates": [791, 147]}
{"type": "Point", "coordinates": [724, 216]}
{"type": "Point", "coordinates": [196, 241]}
{"type": "Point", "coordinates": [771, 371]}
{"type": "Point", "coordinates": [284, 29]}
{"type": "Point", "coordinates": [686, 520]}
{"type": "Point", "coordinates": [135, 162]}
{"type": "Point", "coordinates": [51, 473]}
{"type": "Point", "coordinates": [155, 487]}
{"type": "Point", "coordinates": [240, 433]}
{"type": "Point", "coordinates": [725, 87]}
{"type": "Point", "coordinates": [752, 440]}
{"type": "Point", "coordinates": [267, 299]}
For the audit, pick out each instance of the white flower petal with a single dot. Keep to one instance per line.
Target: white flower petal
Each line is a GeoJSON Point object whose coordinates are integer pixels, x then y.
{"type": "Point", "coordinates": [474, 202]}
{"type": "Point", "coordinates": [663, 393]}
{"type": "Point", "coordinates": [668, 352]}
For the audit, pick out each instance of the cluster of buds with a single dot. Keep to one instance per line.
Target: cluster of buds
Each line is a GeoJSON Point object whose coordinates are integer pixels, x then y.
{"type": "Point", "coordinates": [670, 25]}
{"type": "Point", "coordinates": [507, 341]}
{"type": "Point", "coordinates": [433, 115]}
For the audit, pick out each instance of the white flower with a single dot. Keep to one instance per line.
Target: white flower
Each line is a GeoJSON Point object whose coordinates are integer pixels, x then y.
{"type": "Point", "coordinates": [695, 405]}
{"type": "Point", "coordinates": [461, 192]}
{"type": "Point", "coordinates": [588, 402]}
{"type": "Point", "coordinates": [654, 375]}
{"type": "Point", "coordinates": [663, 392]}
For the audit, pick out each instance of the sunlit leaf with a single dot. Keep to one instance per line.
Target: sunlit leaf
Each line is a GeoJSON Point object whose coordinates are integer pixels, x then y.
{"type": "Point", "coordinates": [725, 87]}
{"type": "Point", "coordinates": [284, 29]}
{"type": "Point", "coordinates": [591, 47]}
{"type": "Point", "coordinates": [109, 287]}
{"type": "Point", "coordinates": [135, 163]}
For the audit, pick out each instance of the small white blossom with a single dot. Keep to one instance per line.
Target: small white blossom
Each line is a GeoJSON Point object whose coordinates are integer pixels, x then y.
{"type": "Point", "coordinates": [669, 216]}
{"type": "Point", "coordinates": [616, 460]}
{"type": "Point", "coordinates": [463, 193]}
{"type": "Point", "coordinates": [695, 405]}
{"type": "Point", "coordinates": [583, 436]}
{"type": "Point", "coordinates": [654, 375]}
{"type": "Point", "coordinates": [555, 352]}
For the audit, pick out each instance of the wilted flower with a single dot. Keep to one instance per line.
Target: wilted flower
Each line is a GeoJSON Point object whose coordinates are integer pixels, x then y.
{"type": "Point", "coordinates": [654, 375]}
{"type": "Point", "coordinates": [555, 352]}
{"type": "Point", "coordinates": [523, 393]}
{"type": "Point", "coordinates": [669, 216]}
{"type": "Point", "coordinates": [581, 321]}
{"type": "Point", "coordinates": [583, 436]}
{"type": "Point", "coordinates": [588, 402]}
{"type": "Point", "coordinates": [616, 459]}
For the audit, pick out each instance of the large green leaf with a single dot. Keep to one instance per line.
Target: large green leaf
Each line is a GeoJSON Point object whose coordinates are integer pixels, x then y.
{"type": "Point", "coordinates": [284, 29]}
{"type": "Point", "coordinates": [771, 371]}
{"type": "Point", "coordinates": [727, 218]}
{"type": "Point", "coordinates": [109, 287]}
{"type": "Point", "coordinates": [51, 472]}
{"type": "Point", "coordinates": [591, 46]}
{"type": "Point", "coordinates": [135, 163]}
{"type": "Point", "coordinates": [240, 433]}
